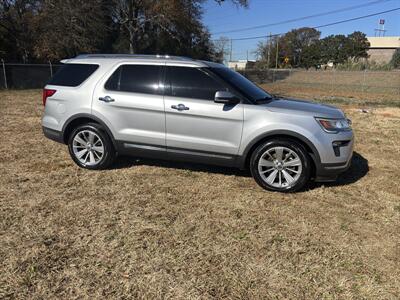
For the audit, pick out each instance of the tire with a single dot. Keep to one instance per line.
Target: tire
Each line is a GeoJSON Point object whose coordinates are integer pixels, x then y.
{"type": "Point", "coordinates": [281, 165]}
{"type": "Point", "coordinates": [90, 147]}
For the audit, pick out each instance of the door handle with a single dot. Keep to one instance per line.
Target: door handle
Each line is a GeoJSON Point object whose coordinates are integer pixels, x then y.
{"type": "Point", "coordinates": [180, 107]}
{"type": "Point", "coordinates": [106, 99]}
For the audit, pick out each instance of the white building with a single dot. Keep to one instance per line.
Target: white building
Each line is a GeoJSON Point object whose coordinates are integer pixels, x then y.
{"type": "Point", "coordinates": [241, 64]}
{"type": "Point", "coordinates": [382, 48]}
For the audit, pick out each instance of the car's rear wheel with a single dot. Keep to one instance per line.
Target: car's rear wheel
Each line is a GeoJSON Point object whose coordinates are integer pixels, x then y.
{"type": "Point", "coordinates": [281, 165]}
{"type": "Point", "coordinates": [90, 147]}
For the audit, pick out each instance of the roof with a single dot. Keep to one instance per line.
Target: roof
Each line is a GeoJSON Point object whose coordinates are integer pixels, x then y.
{"type": "Point", "coordinates": [389, 42]}
{"type": "Point", "coordinates": [115, 58]}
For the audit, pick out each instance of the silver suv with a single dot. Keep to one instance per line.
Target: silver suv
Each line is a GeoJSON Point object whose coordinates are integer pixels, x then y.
{"type": "Point", "coordinates": [177, 108]}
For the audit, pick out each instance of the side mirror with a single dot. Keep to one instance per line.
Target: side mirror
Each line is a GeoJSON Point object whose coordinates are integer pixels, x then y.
{"type": "Point", "coordinates": [226, 97]}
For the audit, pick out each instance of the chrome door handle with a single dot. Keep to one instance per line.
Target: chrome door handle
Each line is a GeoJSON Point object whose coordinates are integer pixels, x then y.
{"type": "Point", "coordinates": [180, 107]}
{"type": "Point", "coordinates": [106, 99]}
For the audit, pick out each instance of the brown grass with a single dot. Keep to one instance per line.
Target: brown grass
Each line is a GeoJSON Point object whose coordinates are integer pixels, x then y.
{"type": "Point", "coordinates": [149, 229]}
{"type": "Point", "coordinates": [362, 88]}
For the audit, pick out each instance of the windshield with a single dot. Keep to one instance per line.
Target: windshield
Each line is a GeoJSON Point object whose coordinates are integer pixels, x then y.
{"type": "Point", "coordinates": [244, 85]}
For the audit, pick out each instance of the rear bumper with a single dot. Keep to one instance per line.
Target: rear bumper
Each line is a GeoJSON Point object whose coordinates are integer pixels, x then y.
{"type": "Point", "coordinates": [53, 134]}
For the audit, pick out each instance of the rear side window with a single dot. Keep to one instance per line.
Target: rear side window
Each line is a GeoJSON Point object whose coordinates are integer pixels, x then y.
{"type": "Point", "coordinates": [142, 79]}
{"type": "Point", "coordinates": [192, 83]}
{"type": "Point", "coordinates": [73, 74]}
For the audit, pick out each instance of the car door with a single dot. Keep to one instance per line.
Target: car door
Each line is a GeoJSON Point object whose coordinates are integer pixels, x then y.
{"type": "Point", "coordinates": [130, 102]}
{"type": "Point", "coordinates": [195, 124]}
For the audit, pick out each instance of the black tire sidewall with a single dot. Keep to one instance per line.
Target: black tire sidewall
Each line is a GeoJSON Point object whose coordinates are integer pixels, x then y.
{"type": "Point", "coordinates": [109, 151]}
{"type": "Point", "coordinates": [296, 147]}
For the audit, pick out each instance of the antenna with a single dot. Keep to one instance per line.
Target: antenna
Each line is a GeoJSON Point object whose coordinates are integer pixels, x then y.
{"type": "Point", "coordinates": [380, 31]}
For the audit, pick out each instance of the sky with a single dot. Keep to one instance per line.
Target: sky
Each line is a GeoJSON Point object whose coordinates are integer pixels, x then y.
{"type": "Point", "coordinates": [227, 17]}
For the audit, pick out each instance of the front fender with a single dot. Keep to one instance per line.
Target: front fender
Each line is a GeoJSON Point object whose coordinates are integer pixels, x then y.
{"type": "Point", "coordinates": [245, 151]}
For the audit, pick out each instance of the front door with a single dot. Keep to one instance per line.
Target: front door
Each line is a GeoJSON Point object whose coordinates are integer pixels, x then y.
{"type": "Point", "coordinates": [195, 124]}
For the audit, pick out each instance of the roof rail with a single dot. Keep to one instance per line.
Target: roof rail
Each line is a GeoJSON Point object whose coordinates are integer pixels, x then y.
{"type": "Point", "coordinates": [150, 56]}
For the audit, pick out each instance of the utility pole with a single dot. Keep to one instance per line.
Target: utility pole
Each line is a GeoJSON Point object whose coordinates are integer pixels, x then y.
{"type": "Point", "coordinates": [269, 50]}
{"type": "Point", "coordinates": [277, 52]}
{"type": "Point", "coordinates": [247, 55]}
{"type": "Point", "coordinates": [230, 52]}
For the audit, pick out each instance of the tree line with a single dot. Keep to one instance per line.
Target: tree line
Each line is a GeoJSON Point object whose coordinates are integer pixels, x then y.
{"type": "Point", "coordinates": [304, 48]}
{"type": "Point", "coordinates": [43, 30]}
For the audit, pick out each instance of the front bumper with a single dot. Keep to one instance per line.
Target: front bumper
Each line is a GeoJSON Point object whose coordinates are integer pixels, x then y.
{"type": "Point", "coordinates": [340, 157]}
{"type": "Point", "coordinates": [330, 172]}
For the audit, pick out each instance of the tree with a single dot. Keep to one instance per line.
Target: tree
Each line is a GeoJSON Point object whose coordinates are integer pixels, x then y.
{"type": "Point", "coordinates": [136, 17]}
{"type": "Point", "coordinates": [52, 29]}
{"type": "Point", "coordinates": [16, 28]}
{"type": "Point", "coordinates": [311, 56]}
{"type": "Point", "coordinates": [149, 22]}
{"type": "Point", "coordinates": [333, 49]}
{"type": "Point", "coordinates": [357, 45]}
{"type": "Point", "coordinates": [339, 48]}
{"type": "Point", "coordinates": [395, 61]}
{"type": "Point", "coordinates": [291, 45]}
{"type": "Point", "coordinates": [266, 52]}
{"type": "Point", "coordinates": [221, 48]}
{"type": "Point", "coordinates": [262, 55]}
{"type": "Point", "coordinates": [69, 27]}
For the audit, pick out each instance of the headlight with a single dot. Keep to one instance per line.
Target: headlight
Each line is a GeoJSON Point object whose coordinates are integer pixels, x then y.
{"type": "Point", "coordinates": [334, 125]}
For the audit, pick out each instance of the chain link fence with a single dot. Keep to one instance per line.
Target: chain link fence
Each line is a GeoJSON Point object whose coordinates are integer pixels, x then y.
{"type": "Point", "coordinates": [335, 83]}
{"type": "Point", "coordinates": [351, 84]}
{"type": "Point", "coordinates": [25, 76]}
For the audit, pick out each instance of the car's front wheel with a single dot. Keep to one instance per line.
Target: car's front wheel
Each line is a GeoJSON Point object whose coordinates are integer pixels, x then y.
{"type": "Point", "coordinates": [90, 147]}
{"type": "Point", "coordinates": [281, 165]}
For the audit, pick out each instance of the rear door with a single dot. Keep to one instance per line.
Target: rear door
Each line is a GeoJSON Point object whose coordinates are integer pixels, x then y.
{"type": "Point", "coordinates": [195, 124]}
{"type": "Point", "coordinates": [129, 100]}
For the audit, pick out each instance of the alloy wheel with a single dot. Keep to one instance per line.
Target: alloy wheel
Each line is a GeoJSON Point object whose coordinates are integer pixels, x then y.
{"type": "Point", "coordinates": [88, 147]}
{"type": "Point", "coordinates": [280, 167]}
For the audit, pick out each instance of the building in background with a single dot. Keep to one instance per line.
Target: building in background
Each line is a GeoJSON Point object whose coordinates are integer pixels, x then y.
{"type": "Point", "coordinates": [382, 48]}
{"type": "Point", "coordinates": [241, 64]}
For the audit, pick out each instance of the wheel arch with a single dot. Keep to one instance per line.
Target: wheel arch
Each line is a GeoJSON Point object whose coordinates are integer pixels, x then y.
{"type": "Point", "coordinates": [79, 119]}
{"type": "Point", "coordinates": [311, 149]}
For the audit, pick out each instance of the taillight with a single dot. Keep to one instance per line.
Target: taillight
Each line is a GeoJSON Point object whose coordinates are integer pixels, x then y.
{"type": "Point", "coordinates": [47, 93]}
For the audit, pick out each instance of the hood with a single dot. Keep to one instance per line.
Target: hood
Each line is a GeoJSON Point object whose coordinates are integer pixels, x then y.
{"type": "Point", "coordinates": [304, 107]}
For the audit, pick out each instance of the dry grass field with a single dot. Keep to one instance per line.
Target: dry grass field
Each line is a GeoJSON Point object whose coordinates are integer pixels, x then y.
{"type": "Point", "coordinates": [346, 87]}
{"type": "Point", "coordinates": [152, 230]}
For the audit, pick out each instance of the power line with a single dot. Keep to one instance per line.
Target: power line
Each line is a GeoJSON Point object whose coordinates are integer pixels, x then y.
{"type": "Point", "coordinates": [303, 18]}
{"type": "Point", "coordinates": [320, 26]}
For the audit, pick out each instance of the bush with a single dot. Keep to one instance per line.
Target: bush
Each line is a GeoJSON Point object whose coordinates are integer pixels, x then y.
{"type": "Point", "coordinates": [364, 65]}
{"type": "Point", "coordinates": [395, 61]}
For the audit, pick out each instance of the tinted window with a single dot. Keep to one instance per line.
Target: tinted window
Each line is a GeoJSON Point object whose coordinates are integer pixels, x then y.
{"type": "Point", "coordinates": [240, 82]}
{"type": "Point", "coordinates": [135, 78]}
{"type": "Point", "coordinates": [72, 74]}
{"type": "Point", "coordinates": [112, 83]}
{"type": "Point", "coordinates": [192, 83]}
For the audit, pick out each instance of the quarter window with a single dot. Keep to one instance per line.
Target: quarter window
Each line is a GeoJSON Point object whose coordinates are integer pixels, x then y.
{"type": "Point", "coordinates": [135, 79]}
{"type": "Point", "coordinates": [195, 83]}
{"type": "Point", "coordinates": [73, 74]}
